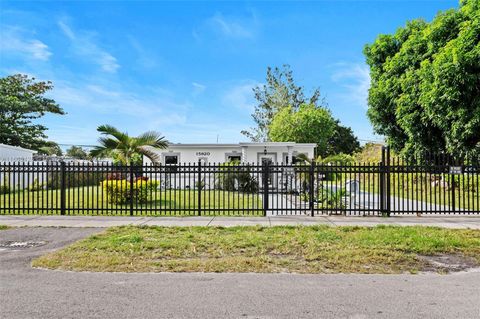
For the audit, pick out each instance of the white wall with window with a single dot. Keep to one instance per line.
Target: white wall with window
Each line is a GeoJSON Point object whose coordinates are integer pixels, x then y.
{"type": "Point", "coordinates": [257, 153]}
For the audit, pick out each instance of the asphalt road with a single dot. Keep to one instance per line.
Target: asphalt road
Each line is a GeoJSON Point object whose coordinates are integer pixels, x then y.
{"type": "Point", "coordinates": [35, 293]}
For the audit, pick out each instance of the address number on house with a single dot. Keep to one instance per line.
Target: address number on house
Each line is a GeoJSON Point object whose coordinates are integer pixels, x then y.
{"type": "Point", "coordinates": [203, 153]}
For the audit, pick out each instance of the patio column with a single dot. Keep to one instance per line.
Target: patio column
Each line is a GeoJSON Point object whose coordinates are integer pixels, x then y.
{"type": "Point", "coordinates": [290, 155]}
{"type": "Point", "coordinates": [244, 154]}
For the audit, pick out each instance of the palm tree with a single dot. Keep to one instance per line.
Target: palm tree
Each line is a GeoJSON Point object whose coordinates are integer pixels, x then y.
{"type": "Point", "coordinates": [125, 146]}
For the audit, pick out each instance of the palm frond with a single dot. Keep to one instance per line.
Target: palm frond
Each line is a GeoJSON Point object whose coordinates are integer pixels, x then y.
{"type": "Point", "coordinates": [151, 138]}
{"type": "Point", "coordinates": [100, 151]}
{"type": "Point", "coordinates": [113, 131]}
{"type": "Point", "coordinates": [150, 153]}
{"type": "Point", "coordinates": [304, 158]}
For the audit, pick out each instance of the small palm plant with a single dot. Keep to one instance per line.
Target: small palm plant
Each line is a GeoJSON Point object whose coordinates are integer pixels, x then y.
{"type": "Point", "coordinates": [126, 147]}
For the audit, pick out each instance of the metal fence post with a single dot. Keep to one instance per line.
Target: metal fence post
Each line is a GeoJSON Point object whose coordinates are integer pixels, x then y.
{"type": "Point", "coordinates": [453, 193]}
{"type": "Point", "coordinates": [382, 183]}
{"type": "Point", "coordinates": [131, 189]}
{"type": "Point", "coordinates": [199, 188]}
{"type": "Point", "coordinates": [62, 188]}
{"type": "Point", "coordinates": [265, 172]}
{"type": "Point", "coordinates": [388, 186]}
{"type": "Point", "coordinates": [311, 188]}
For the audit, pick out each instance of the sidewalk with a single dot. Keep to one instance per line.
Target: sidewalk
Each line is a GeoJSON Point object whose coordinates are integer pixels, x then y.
{"type": "Point", "coordinates": [464, 222]}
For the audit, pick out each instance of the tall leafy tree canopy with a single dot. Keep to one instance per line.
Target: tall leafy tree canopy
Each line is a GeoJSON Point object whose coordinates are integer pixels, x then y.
{"type": "Point", "coordinates": [281, 98]}
{"type": "Point", "coordinates": [50, 148]}
{"type": "Point", "coordinates": [342, 141]}
{"type": "Point", "coordinates": [76, 152]}
{"type": "Point", "coordinates": [308, 124]}
{"type": "Point", "coordinates": [22, 102]}
{"type": "Point", "coordinates": [425, 84]}
{"type": "Point", "coordinates": [279, 92]}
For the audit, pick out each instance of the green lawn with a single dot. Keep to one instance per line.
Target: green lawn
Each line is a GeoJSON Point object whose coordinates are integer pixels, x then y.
{"type": "Point", "coordinates": [419, 187]}
{"type": "Point", "coordinates": [313, 249]}
{"type": "Point", "coordinates": [3, 227]}
{"type": "Point", "coordinates": [165, 202]}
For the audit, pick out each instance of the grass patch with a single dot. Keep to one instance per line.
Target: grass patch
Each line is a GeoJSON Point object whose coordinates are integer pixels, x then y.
{"type": "Point", "coordinates": [3, 227]}
{"type": "Point", "coordinates": [92, 200]}
{"type": "Point", "coordinates": [313, 249]}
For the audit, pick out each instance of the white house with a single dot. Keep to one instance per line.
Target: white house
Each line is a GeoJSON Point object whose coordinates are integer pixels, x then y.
{"type": "Point", "coordinates": [10, 153]}
{"type": "Point", "coordinates": [257, 153]}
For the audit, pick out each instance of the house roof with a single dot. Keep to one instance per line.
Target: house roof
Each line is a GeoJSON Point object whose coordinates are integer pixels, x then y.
{"type": "Point", "coordinates": [264, 144]}
{"type": "Point", "coordinates": [17, 148]}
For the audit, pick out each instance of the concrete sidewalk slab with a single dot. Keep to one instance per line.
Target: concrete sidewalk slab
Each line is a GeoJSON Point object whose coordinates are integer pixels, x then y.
{"type": "Point", "coordinates": [464, 222]}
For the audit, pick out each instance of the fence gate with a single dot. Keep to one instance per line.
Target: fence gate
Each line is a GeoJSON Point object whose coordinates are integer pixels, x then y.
{"type": "Point", "coordinates": [426, 184]}
{"type": "Point", "coordinates": [324, 189]}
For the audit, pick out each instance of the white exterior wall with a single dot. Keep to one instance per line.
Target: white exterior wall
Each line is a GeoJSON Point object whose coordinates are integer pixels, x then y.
{"type": "Point", "coordinates": [18, 155]}
{"type": "Point", "coordinates": [15, 154]}
{"type": "Point", "coordinates": [217, 153]}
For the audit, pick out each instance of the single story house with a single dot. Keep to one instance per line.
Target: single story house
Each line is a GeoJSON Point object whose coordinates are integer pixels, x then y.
{"type": "Point", "coordinates": [255, 153]}
{"type": "Point", "coordinates": [10, 153]}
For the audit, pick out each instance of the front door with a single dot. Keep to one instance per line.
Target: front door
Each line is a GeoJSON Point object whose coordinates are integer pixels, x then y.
{"type": "Point", "coordinates": [269, 158]}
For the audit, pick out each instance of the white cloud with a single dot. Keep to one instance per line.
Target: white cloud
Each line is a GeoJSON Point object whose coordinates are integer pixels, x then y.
{"type": "Point", "coordinates": [149, 106]}
{"type": "Point", "coordinates": [198, 88]}
{"type": "Point", "coordinates": [17, 41]}
{"type": "Point", "coordinates": [84, 45]}
{"type": "Point", "coordinates": [233, 27]}
{"type": "Point", "coordinates": [230, 27]}
{"type": "Point", "coordinates": [145, 58]}
{"type": "Point", "coordinates": [355, 79]}
{"type": "Point", "coordinates": [241, 96]}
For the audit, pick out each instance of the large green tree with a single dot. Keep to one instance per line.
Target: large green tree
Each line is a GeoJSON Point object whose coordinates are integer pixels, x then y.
{"type": "Point", "coordinates": [307, 124]}
{"type": "Point", "coordinates": [425, 84]}
{"type": "Point", "coordinates": [22, 103]}
{"type": "Point", "coordinates": [76, 152]}
{"type": "Point", "coordinates": [125, 148]}
{"type": "Point", "coordinates": [280, 91]}
{"type": "Point", "coordinates": [50, 148]}
{"type": "Point", "coordinates": [342, 141]}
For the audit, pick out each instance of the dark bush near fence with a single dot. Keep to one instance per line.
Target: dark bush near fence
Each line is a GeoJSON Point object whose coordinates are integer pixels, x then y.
{"type": "Point", "coordinates": [4, 189]}
{"type": "Point", "coordinates": [72, 179]}
{"type": "Point", "coordinates": [234, 177]}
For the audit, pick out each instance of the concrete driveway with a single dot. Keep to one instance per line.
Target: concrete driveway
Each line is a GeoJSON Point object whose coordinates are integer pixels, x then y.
{"type": "Point", "coordinates": [35, 293]}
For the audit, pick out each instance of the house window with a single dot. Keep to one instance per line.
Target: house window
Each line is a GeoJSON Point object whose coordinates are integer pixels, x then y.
{"type": "Point", "coordinates": [234, 158]}
{"type": "Point", "coordinates": [171, 159]}
{"type": "Point", "coordinates": [295, 158]}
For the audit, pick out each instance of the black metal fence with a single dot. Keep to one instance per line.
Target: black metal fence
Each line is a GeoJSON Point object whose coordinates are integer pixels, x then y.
{"type": "Point", "coordinates": [391, 187]}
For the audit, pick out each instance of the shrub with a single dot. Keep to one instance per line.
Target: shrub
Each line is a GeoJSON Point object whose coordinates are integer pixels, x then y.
{"type": "Point", "coordinates": [200, 185]}
{"type": "Point", "coordinates": [118, 191]}
{"type": "Point", "coordinates": [115, 176]}
{"type": "Point", "coordinates": [236, 177]}
{"type": "Point", "coordinates": [338, 159]}
{"type": "Point", "coordinates": [5, 186]}
{"type": "Point", "coordinates": [36, 186]}
{"type": "Point", "coordinates": [4, 189]}
{"type": "Point", "coordinates": [74, 179]}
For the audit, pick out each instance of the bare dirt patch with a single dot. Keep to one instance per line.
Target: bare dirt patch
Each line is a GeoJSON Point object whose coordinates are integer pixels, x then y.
{"type": "Point", "coordinates": [446, 263]}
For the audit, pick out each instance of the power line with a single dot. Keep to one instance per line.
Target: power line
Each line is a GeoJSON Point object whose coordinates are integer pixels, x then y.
{"type": "Point", "coordinates": [81, 145]}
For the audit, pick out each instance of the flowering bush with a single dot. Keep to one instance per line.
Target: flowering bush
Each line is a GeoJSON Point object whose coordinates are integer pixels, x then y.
{"type": "Point", "coordinates": [118, 191]}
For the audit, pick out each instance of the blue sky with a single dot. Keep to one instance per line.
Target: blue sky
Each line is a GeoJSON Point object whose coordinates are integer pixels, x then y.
{"type": "Point", "coordinates": [187, 69]}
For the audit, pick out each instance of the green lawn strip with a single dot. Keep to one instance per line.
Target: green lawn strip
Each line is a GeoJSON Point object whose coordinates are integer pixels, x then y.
{"type": "Point", "coordinates": [410, 187]}
{"type": "Point", "coordinates": [3, 227]}
{"type": "Point", "coordinates": [312, 249]}
{"type": "Point", "coordinates": [92, 200]}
